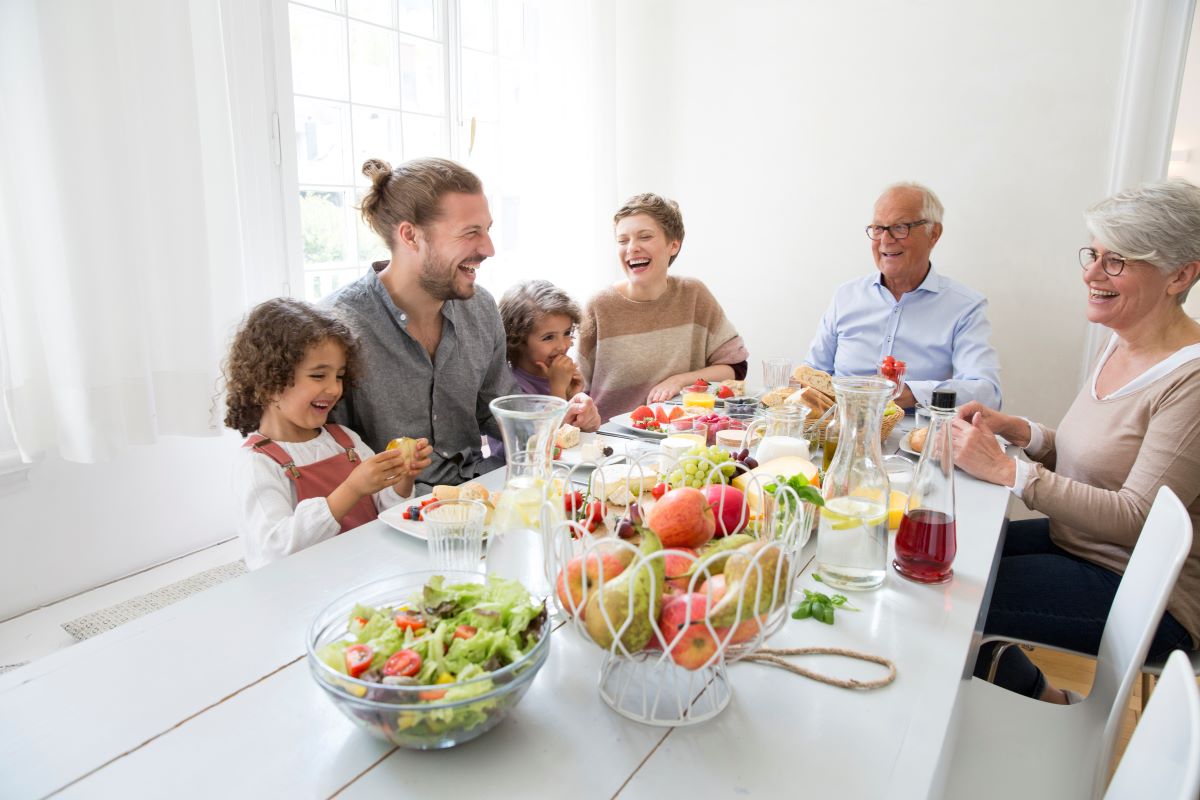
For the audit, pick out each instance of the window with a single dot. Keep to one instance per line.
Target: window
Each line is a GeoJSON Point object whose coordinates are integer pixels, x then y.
{"type": "Point", "coordinates": [394, 79]}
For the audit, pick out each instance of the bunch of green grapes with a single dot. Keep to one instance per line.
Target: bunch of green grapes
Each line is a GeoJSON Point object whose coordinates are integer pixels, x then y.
{"type": "Point", "coordinates": [695, 468]}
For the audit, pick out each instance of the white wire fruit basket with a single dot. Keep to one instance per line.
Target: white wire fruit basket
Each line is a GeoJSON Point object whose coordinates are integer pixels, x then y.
{"type": "Point", "coordinates": [671, 616]}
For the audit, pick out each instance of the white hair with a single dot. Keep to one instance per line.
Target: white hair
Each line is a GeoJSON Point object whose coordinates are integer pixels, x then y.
{"type": "Point", "coordinates": [1158, 223]}
{"type": "Point", "coordinates": [931, 207]}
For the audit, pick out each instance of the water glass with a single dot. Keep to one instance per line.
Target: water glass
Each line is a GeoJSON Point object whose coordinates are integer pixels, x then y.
{"type": "Point", "coordinates": [776, 372]}
{"type": "Point", "coordinates": [455, 529]}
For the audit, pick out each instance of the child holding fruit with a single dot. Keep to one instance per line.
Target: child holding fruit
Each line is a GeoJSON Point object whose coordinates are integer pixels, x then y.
{"type": "Point", "coordinates": [651, 335]}
{"type": "Point", "coordinates": [300, 479]}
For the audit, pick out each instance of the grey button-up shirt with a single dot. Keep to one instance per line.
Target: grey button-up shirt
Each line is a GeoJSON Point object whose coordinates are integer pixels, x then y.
{"type": "Point", "coordinates": [402, 392]}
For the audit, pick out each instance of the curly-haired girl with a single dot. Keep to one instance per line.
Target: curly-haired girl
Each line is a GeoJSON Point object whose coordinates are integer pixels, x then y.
{"type": "Point", "coordinates": [300, 479]}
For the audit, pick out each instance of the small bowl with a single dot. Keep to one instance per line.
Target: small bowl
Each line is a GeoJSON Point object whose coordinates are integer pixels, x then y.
{"type": "Point", "coordinates": [399, 714]}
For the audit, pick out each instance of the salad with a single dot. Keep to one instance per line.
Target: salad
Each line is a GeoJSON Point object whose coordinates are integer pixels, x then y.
{"type": "Point", "coordinates": [441, 646]}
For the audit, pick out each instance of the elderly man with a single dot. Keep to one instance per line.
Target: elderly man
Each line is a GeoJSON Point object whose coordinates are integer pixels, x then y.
{"type": "Point", "coordinates": [433, 345]}
{"type": "Point", "coordinates": [937, 326]}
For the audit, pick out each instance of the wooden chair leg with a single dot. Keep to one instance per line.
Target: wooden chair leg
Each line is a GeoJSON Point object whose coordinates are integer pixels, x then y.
{"type": "Point", "coordinates": [1147, 688]}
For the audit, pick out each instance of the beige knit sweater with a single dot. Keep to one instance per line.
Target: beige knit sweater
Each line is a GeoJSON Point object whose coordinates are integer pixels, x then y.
{"type": "Point", "coordinates": [626, 347]}
{"type": "Point", "coordinates": [1099, 472]}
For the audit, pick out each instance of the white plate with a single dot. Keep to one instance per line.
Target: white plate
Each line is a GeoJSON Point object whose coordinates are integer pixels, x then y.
{"type": "Point", "coordinates": [415, 528]}
{"type": "Point", "coordinates": [624, 421]}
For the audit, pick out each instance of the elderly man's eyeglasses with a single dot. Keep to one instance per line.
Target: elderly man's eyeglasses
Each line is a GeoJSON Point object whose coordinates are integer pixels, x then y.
{"type": "Point", "coordinates": [898, 231]}
{"type": "Point", "coordinates": [1112, 263]}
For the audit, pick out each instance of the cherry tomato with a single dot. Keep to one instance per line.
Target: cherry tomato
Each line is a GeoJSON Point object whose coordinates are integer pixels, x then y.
{"type": "Point", "coordinates": [404, 663]}
{"type": "Point", "coordinates": [465, 631]}
{"type": "Point", "coordinates": [640, 424]}
{"type": "Point", "coordinates": [360, 621]}
{"type": "Point", "coordinates": [432, 694]}
{"type": "Point", "coordinates": [358, 658]}
{"type": "Point", "coordinates": [594, 514]}
{"type": "Point", "coordinates": [407, 621]}
{"type": "Point", "coordinates": [659, 490]}
{"type": "Point", "coordinates": [572, 502]}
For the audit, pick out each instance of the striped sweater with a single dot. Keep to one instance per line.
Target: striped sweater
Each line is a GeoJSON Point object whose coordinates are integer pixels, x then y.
{"type": "Point", "coordinates": [626, 347]}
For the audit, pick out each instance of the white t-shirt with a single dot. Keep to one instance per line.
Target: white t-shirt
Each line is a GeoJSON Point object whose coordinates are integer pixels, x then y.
{"type": "Point", "coordinates": [271, 523]}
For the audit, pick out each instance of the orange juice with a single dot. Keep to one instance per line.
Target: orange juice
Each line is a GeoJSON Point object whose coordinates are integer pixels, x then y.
{"type": "Point", "coordinates": [701, 402]}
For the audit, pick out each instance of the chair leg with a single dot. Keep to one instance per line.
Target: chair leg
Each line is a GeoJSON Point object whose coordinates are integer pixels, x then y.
{"type": "Point", "coordinates": [997, 654]}
{"type": "Point", "coordinates": [1147, 688]}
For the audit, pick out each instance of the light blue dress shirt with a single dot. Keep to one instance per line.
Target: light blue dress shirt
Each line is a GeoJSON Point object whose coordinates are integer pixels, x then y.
{"type": "Point", "coordinates": [940, 330]}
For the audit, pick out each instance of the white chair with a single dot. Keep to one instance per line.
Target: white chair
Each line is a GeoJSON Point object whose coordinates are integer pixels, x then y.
{"type": "Point", "coordinates": [1163, 757]}
{"type": "Point", "coordinates": [1011, 746]}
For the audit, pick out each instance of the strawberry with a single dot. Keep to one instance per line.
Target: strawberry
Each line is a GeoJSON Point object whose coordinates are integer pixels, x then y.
{"type": "Point", "coordinates": [724, 392]}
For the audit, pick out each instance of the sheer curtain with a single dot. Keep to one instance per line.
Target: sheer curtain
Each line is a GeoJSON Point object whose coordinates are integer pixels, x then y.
{"type": "Point", "coordinates": [121, 267]}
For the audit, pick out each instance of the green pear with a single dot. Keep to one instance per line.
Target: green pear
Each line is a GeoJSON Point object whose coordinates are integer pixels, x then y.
{"type": "Point", "coordinates": [742, 581]}
{"type": "Point", "coordinates": [720, 550]}
{"type": "Point", "coordinates": [633, 597]}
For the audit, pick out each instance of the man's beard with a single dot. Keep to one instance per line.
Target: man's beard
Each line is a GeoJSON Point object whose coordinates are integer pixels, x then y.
{"type": "Point", "coordinates": [439, 283]}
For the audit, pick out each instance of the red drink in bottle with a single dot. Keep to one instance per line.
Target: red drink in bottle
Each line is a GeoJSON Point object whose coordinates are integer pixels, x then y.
{"type": "Point", "coordinates": [925, 546]}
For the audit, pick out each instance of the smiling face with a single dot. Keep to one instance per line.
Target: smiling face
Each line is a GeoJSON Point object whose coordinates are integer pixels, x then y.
{"type": "Point", "coordinates": [903, 262]}
{"type": "Point", "coordinates": [302, 408]}
{"type": "Point", "coordinates": [454, 246]}
{"type": "Point", "coordinates": [1121, 301]}
{"type": "Point", "coordinates": [644, 251]}
{"type": "Point", "coordinates": [552, 336]}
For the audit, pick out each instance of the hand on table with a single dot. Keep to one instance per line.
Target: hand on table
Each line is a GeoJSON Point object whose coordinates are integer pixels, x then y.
{"type": "Point", "coordinates": [978, 453]}
{"type": "Point", "coordinates": [582, 413]}
{"type": "Point", "coordinates": [667, 389]}
{"type": "Point", "coordinates": [1014, 429]}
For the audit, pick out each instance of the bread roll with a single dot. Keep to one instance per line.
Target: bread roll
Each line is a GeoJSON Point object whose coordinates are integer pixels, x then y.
{"type": "Point", "coordinates": [916, 439]}
{"type": "Point", "coordinates": [473, 491]}
{"type": "Point", "coordinates": [778, 396]}
{"type": "Point", "coordinates": [445, 492]}
{"type": "Point", "coordinates": [406, 446]}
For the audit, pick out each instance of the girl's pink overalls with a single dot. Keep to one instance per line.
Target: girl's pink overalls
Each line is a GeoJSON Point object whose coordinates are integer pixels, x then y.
{"type": "Point", "coordinates": [321, 478]}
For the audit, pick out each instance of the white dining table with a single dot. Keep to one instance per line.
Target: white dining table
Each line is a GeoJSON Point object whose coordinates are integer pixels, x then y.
{"type": "Point", "coordinates": [212, 697]}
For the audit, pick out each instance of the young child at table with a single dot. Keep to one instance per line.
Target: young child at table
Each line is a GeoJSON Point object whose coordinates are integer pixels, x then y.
{"type": "Point", "coordinates": [651, 334]}
{"type": "Point", "coordinates": [539, 324]}
{"type": "Point", "coordinates": [300, 479]}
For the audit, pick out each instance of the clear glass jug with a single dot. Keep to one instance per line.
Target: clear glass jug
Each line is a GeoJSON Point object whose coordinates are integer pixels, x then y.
{"type": "Point", "coordinates": [852, 539]}
{"type": "Point", "coordinates": [782, 429]}
{"type": "Point", "coordinates": [516, 548]}
{"type": "Point", "coordinates": [926, 542]}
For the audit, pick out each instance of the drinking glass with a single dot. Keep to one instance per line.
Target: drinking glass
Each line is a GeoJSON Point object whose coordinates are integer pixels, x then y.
{"type": "Point", "coordinates": [776, 372]}
{"type": "Point", "coordinates": [455, 529]}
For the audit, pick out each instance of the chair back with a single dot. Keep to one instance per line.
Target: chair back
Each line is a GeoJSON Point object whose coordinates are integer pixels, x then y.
{"type": "Point", "coordinates": [1163, 757]}
{"type": "Point", "coordinates": [1137, 608]}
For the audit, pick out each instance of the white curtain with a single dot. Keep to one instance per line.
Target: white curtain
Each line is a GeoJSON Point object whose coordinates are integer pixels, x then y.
{"type": "Point", "coordinates": [121, 267]}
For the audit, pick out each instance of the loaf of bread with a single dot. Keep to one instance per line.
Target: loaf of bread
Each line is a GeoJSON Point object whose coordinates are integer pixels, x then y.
{"type": "Point", "coordinates": [812, 399]}
{"type": "Point", "coordinates": [777, 397]}
{"type": "Point", "coordinates": [821, 381]}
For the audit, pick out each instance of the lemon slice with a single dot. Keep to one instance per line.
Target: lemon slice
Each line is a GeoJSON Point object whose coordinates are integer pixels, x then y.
{"type": "Point", "coordinates": [844, 513]}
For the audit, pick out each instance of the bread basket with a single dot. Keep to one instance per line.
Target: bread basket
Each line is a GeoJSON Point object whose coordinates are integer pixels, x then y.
{"type": "Point", "coordinates": [815, 429]}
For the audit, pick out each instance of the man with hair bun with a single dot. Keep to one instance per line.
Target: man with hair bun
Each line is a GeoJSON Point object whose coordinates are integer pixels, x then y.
{"type": "Point", "coordinates": [936, 325]}
{"type": "Point", "coordinates": [433, 345]}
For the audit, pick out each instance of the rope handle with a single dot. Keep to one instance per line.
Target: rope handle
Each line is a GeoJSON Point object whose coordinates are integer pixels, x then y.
{"type": "Point", "coordinates": [775, 657]}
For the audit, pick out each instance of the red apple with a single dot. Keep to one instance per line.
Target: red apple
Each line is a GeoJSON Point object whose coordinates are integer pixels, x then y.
{"type": "Point", "coordinates": [682, 518]}
{"type": "Point", "coordinates": [729, 504]}
{"type": "Point", "coordinates": [714, 588]}
{"type": "Point", "coordinates": [745, 630]}
{"type": "Point", "coordinates": [676, 562]}
{"type": "Point", "coordinates": [571, 593]}
{"type": "Point", "coordinates": [684, 609]}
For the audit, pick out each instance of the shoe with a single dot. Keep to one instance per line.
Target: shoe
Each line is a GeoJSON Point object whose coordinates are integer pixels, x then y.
{"type": "Point", "coordinates": [1073, 698]}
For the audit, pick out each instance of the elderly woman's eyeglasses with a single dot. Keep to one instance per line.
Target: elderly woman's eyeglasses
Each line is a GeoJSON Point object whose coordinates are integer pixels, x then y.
{"type": "Point", "coordinates": [899, 230]}
{"type": "Point", "coordinates": [1112, 263]}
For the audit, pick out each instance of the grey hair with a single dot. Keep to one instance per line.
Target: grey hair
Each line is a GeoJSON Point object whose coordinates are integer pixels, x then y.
{"type": "Point", "coordinates": [1158, 223]}
{"type": "Point", "coordinates": [931, 207]}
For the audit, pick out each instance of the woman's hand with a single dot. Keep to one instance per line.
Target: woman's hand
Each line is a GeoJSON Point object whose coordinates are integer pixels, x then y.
{"type": "Point", "coordinates": [668, 388]}
{"type": "Point", "coordinates": [582, 413]}
{"type": "Point", "coordinates": [562, 372]}
{"type": "Point", "coordinates": [978, 453]}
{"type": "Point", "coordinates": [1014, 429]}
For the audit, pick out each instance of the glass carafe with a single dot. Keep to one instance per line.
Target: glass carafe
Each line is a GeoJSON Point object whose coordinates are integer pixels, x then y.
{"type": "Point", "coordinates": [782, 430]}
{"type": "Point", "coordinates": [516, 548]}
{"type": "Point", "coordinates": [853, 535]}
{"type": "Point", "coordinates": [926, 543]}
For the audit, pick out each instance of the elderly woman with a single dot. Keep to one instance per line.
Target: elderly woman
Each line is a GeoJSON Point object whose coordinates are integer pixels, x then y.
{"type": "Point", "coordinates": [1134, 427]}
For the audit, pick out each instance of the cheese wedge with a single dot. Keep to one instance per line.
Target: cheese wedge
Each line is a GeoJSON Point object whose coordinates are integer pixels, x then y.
{"type": "Point", "coordinates": [787, 466]}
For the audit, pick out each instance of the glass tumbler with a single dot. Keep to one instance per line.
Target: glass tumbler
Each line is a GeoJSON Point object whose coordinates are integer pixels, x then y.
{"type": "Point", "coordinates": [455, 529]}
{"type": "Point", "coordinates": [777, 372]}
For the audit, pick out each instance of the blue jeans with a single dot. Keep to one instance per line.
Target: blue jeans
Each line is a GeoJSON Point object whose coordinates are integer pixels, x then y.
{"type": "Point", "coordinates": [1045, 594]}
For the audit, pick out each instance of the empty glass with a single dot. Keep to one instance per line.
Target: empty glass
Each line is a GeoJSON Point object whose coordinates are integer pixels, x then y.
{"type": "Point", "coordinates": [455, 529]}
{"type": "Point", "coordinates": [776, 372]}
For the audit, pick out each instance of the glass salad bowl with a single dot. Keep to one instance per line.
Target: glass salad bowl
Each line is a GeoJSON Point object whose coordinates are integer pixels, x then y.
{"type": "Point", "coordinates": [429, 707]}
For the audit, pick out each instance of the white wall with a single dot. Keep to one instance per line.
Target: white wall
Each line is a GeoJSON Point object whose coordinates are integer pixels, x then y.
{"type": "Point", "coordinates": [69, 527]}
{"type": "Point", "coordinates": [1187, 132]}
{"type": "Point", "coordinates": [775, 124]}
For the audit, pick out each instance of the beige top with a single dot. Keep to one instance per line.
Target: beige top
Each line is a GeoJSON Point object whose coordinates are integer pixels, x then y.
{"type": "Point", "coordinates": [1099, 472]}
{"type": "Point", "coordinates": [627, 346]}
